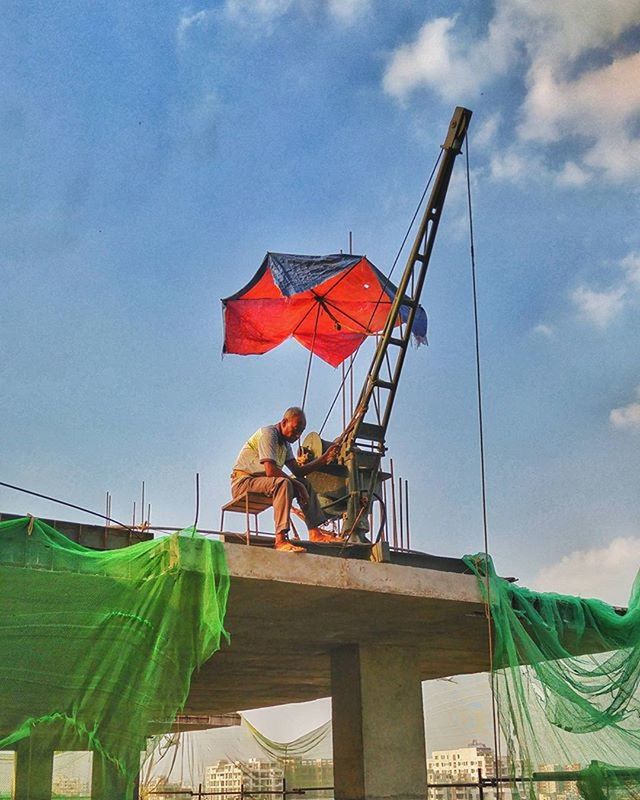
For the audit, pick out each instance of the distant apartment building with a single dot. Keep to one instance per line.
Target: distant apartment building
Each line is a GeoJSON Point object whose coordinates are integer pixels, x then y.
{"type": "Point", "coordinates": [309, 773]}
{"type": "Point", "coordinates": [463, 765]}
{"type": "Point", "coordinates": [554, 789]}
{"type": "Point", "coordinates": [164, 789]}
{"type": "Point", "coordinates": [254, 775]}
{"type": "Point", "coordinates": [67, 786]}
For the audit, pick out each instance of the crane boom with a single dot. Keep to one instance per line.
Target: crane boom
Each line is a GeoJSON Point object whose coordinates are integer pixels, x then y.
{"type": "Point", "coordinates": [363, 440]}
{"type": "Point", "coordinates": [412, 281]}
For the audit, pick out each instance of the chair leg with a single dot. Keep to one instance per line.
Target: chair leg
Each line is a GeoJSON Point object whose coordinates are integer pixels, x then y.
{"type": "Point", "coordinates": [246, 500]}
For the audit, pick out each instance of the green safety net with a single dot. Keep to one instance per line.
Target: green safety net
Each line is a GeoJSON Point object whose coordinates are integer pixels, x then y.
{"type": "Point", "coordinates": [566, 674]}
{"type": "Point", "coordinates": [98, 647]}
{"type": "Point", "coordinates": [181, 762]}
{"type": "Point", "coordinates": [306, 761]}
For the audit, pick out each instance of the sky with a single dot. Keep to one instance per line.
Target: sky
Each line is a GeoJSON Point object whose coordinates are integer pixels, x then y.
{"type": "Point", "coordinates": [152, 153]}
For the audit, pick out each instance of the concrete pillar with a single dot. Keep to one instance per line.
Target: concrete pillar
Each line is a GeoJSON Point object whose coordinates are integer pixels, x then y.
{"type": "Point", "coordinates": [378, 724]}
{"type": "Point", "coordinates": [107, 782]}
{"type": "Point", "coordinates": [34, 770]}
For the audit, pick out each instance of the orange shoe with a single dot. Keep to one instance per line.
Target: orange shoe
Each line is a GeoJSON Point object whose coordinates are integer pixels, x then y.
{"type": "Point", "coordinates": [288, 547]}
{"type": "Point", "coordinates": [316, 535]}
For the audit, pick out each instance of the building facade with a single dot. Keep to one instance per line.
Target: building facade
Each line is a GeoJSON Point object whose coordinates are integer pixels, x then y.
{"type": "Point", "coordinates": [463, 765]}
{"type": "Point", "coordinates": [253, 776]}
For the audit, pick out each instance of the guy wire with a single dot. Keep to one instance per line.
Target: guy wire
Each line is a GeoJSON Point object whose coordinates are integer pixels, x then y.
{"type": "Point", "coordinates": [70, 505]}
{"type": "Point", "coordinates": [485, 527]}
{"type": "Point", "coordinates": [387, 280]}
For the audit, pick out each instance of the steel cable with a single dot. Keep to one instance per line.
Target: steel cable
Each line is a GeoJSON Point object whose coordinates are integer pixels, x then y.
{"type": "Point", "coordinates": [485, 527]}
{"type": "Point", "coordinates": [382, 290]}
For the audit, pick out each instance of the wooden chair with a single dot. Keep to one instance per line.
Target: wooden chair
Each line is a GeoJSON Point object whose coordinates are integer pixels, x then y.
{"type": "Point", "coordinates": [249, 504]}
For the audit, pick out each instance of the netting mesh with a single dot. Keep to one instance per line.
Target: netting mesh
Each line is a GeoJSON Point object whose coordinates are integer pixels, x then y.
{"type": "Point", "coordinates": [566, 672]}
{"type": "Point", "coordinates": [99, 646]}
{"type": "Point", "coordinates": [229, 759]}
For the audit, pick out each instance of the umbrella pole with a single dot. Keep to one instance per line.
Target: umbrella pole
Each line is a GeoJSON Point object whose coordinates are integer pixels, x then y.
{"type": "Point", "coordinates": [313, 344]}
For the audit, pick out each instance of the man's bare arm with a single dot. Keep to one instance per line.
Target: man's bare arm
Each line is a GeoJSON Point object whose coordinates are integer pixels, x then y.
{"type": "Point", "coordinates": [272, 470]}
{"type": "Point", "coordinates": [301, 470]}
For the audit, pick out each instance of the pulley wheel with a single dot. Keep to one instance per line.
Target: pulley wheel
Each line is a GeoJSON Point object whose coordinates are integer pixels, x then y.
{"type": "Point", "coordinates": [314, 445]}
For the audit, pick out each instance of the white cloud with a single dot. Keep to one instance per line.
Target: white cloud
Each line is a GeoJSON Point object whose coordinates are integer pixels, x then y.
{"type": "Point", "coordinates": [599, 106]}
{"type": "Point", "coordinates": [348, 11]}
{"type": "Point", "coordinates": [544, 330]}
{"type": "Point", "coordinates": [570, 94]}
{"type": "Point", "coordinates": [627, 416]}
{"type": "Point", "coordinates": [188, 21]}
{"type": "Point", "coordinates": [485, 135]}
{"type": "Point", "coordinates": [605, 572]}
{"type": "Point", "coordinates": [438, 60]}
{"type": "Point", "coordinates": [572, 175]}
{"type": "Point", "coordinates": [345, 12]}
{"type": "Point", "coordinates": [587, 105]}
{"type": "Point", "coordinates": [599, 308]}
{"type": "Point", "coordinates": [631, 266]}
{"type": "Point", "coordinates": [515, 166]}
{"type": "Point", "coordinates": [246, 10]}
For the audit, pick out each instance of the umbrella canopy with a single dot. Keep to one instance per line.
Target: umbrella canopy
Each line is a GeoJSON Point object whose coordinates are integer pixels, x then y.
{"type": "Point", "coordinates": [327, 303]}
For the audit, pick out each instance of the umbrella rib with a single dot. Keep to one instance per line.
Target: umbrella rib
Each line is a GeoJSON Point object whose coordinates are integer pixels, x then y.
{"type": "Point", "coordinates": [341, 278]}
{"type": "Point", "coordinates": [323, 301]}
{"type": "Point", "coordinates": [304, 316]}
{"type": "Point", "coordinates": [321, 304]}
{"type": "Point", "coordinates": [366, 328]}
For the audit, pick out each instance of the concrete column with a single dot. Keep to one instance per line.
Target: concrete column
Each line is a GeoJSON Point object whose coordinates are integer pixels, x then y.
{"type": "Point", "coordinates": [34, 770]}
{"type": "Point", "coordinates": [108, 783]}
{"type": "Point", "coordinates": [378, 724]}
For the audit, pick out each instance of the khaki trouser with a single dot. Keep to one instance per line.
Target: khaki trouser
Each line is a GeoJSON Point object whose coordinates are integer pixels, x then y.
{"type": "Point", "coordinates": [281, 491]}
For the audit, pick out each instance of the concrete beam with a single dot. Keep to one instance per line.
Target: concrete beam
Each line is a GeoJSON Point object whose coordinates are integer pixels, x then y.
{"type": "Point", "coordinates": [288, 612]}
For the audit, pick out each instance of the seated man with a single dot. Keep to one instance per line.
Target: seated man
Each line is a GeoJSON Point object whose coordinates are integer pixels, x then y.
{"type": "Point", "coordinates": [258, 469]}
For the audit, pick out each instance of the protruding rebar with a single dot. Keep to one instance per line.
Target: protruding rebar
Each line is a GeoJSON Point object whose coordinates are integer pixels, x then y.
{"type": "Point", "coordinates": [195, 524]}
{"type": "Point", "coordinates": [394, 524]}
{"type": "Point", "coordinates": [400, 504]}
{"type": "Point", "coordinates": [385, 533]}
{"type": "Point", "coordinates": [406, 503]}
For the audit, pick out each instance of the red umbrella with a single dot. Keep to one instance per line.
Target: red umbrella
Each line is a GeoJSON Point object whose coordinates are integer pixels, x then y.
{"type": "Point", "coordinates": [327, 303]}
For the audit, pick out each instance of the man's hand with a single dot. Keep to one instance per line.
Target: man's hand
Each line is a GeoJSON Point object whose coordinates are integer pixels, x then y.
{"type": "Point", "coordinates": [302, 470]}
{"type": "Point", "coordinates": [303, 457]}
{"type": "Point", "coordinates": [330, 455]}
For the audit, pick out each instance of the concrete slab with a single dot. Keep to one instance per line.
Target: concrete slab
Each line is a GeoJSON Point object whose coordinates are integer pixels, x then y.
{"type": "Point", "coordinates": [288, 612]}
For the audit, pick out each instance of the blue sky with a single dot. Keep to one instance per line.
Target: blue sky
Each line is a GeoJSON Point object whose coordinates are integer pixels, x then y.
{"type": "Point", "coordinates": [151, 154]}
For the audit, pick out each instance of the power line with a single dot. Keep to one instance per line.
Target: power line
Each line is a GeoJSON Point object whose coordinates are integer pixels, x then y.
{"type": "Point", "coordinates": [65, 503]}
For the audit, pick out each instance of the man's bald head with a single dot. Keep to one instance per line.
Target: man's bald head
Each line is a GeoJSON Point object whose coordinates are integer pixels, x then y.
{"type": "Point", "coordinates": [293, 423]}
